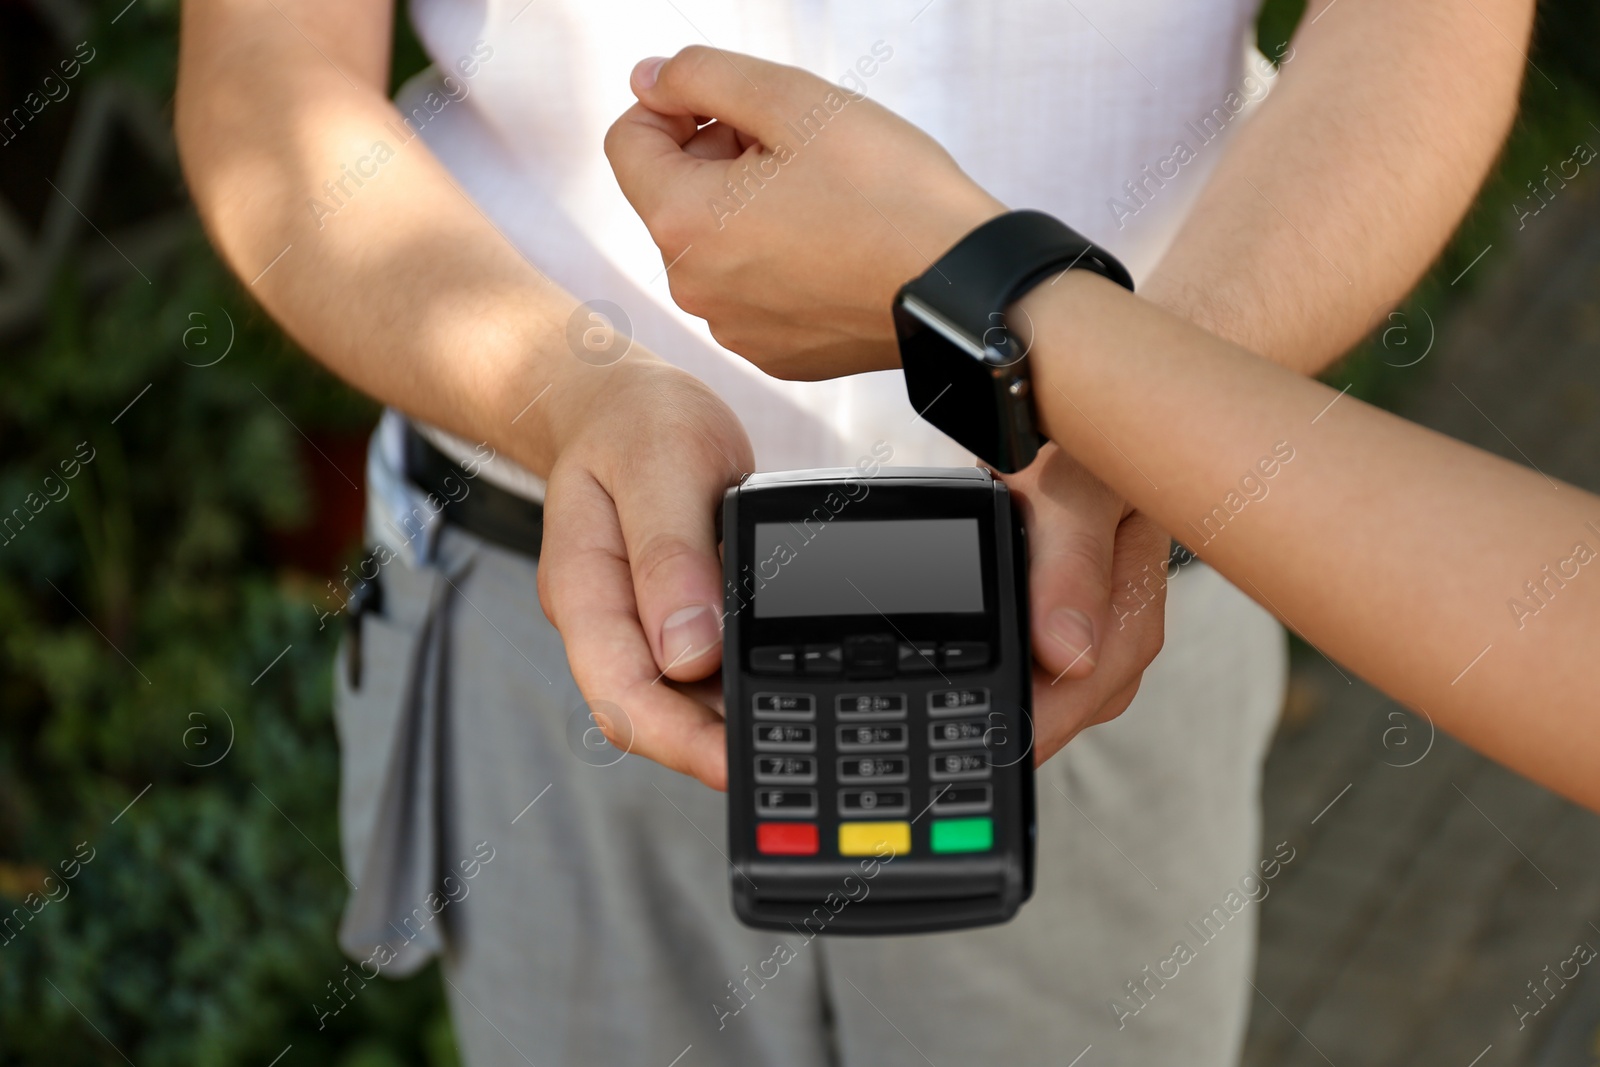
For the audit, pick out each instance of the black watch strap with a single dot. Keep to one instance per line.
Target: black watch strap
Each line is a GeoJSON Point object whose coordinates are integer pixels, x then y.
{"type": "Point", "coordinates": [964, 372]}
{"type": "Point", "coordinates": [994, 265]}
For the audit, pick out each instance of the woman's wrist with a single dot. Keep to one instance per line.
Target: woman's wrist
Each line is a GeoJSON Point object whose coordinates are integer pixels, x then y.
{"type": "Point", "coordinates": [1048, 320]}
{"type": "Point", "coordinates": [961, 209]}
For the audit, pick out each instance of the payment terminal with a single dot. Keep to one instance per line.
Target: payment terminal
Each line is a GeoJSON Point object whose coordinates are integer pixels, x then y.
{"type": "Point", "coordinates": [876, 676]}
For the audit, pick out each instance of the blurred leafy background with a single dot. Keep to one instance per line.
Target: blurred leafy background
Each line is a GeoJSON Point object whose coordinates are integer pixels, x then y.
{"type": "Point", "coordinates": [138, 614]}
{"type": "Point", "coordinates": [167, 610]}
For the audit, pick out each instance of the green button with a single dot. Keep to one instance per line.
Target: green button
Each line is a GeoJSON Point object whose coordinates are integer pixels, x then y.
{"type": "Point", "coordinates": [963, 835]}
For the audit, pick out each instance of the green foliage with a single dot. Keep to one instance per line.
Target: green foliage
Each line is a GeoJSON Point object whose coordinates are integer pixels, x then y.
{"type": "Point", "coordinates": [137, 610]}
{"type": "Point", "coordinates": [1276, 23]}
{"type": "Point", "coordinates": [408, 57]}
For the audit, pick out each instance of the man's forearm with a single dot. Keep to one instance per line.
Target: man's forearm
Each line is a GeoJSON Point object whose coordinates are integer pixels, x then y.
{"type": "Point", "coordinates": [1327, 208]}
{"type": "Point", "coordinates": [407, 291]}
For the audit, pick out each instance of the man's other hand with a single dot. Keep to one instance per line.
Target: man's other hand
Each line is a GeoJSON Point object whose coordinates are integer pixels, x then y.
{"type": "Point", "coordinates": [1097, 576]}
{"type": "Point", "coordinates": [629, 571]}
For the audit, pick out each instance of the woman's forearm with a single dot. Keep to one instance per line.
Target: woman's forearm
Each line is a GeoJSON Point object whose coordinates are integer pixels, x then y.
{"type": "Point", "coordinates": [1462, 584]}
{"type": "Point", "coordinates": [358, 242]}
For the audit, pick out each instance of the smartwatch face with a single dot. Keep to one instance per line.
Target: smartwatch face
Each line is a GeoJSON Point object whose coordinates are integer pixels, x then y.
{"type": "Point", "coordinates": [976, 394]}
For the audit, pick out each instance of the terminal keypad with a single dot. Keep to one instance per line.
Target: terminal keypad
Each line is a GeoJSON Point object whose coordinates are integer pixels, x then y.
{"type": "Point", "coordinates": [904, 741]}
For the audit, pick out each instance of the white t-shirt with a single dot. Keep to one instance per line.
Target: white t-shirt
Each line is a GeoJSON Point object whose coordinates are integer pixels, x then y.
{"type": "Point", "coordinates": [1105, 113]}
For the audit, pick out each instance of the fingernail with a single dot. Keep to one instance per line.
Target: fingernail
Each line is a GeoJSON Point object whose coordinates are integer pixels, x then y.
{"type": "Point", "coordinates": [689, 633]}
{"type": "Point", "coordinates": [1074, 632]}
{"type": "Point", "coordinates": [644, 76]}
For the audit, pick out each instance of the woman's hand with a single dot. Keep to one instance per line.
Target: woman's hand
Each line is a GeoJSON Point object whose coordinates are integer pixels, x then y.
{"type": "Point", "coordinates": [788, 222]}
{"type": "Point", "coordinates": [791, 219]}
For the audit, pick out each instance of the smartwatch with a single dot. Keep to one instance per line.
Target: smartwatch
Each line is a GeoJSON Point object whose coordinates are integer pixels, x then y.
{"type": "Point", "coordinates": [964, 371]}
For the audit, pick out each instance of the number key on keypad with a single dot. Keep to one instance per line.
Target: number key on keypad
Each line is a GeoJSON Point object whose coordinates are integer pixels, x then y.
{"type": "Point", "coordinates": [785, 706]}
{"type": "Point", "coordinates": [872, 705]}
{"type": "Point", "coordinates": [861, 769]}
{"type": "Point", "coordinates": [879, 737]}
{"type": "Point", "coordinates": [955, 733]}
{"type": "Point", "coordinates": [784, 770]}
{"type": "Point", "coordinates": [952, 766]}
{"type": "Point", "coordinates": [785, 737]}
{"type": "Point", "coordinates": [854, 803]}
{"type": "Point", "coordinates": [957, 701]}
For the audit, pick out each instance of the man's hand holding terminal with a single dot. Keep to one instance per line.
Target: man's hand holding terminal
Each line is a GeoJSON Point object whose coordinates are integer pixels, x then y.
{"type": "Point", "coordinates": [629, 571]}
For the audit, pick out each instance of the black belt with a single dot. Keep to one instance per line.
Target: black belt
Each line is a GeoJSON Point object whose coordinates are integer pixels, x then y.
{"type": "Point", "coordinates": [515, 522]}
{"type": "Point", "coordinates": [471, 502]}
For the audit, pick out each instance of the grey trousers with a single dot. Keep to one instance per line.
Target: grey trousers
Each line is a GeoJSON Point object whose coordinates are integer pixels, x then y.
{"type": "Point", "coordinates": [580, 902]}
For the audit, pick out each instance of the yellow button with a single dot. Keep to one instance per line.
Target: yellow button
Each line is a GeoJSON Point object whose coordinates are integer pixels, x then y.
{"type": "Point", "coordinates": [874, 838]}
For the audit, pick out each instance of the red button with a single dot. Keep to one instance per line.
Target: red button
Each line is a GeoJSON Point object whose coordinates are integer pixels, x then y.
{"type": "Point", "coordinates": [786, 838]}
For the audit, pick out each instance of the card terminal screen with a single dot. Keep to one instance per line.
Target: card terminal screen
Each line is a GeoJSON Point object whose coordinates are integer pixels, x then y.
{"type": "Point", "coordinates": [868, 567]}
